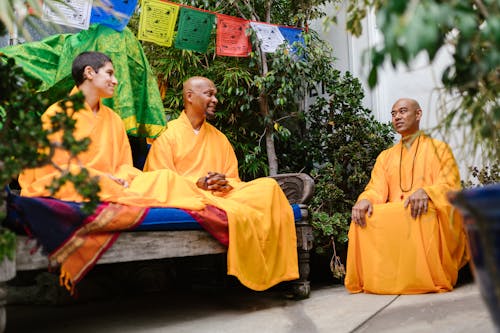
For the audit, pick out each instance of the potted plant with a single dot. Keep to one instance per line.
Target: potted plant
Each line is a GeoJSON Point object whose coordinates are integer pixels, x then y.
{"type": "Point", "coordinates": [481, 212]}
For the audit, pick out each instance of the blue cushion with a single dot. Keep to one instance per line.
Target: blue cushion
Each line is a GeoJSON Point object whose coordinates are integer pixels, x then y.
{"type": "Point", "coordinates": [177, 219]}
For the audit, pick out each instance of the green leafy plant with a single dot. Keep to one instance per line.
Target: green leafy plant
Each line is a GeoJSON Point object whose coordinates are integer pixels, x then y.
{"type": "Point", "coordinates": [337, 144]}
{"type": "Point", "coordinates": [24, 140]}
{"type": "Point", "coordinates": [334, 138]}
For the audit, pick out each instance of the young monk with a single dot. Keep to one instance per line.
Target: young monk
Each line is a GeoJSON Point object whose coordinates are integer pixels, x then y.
{"type": "Point", "coordinates": [262, 248]}
{"type": "Point", "coordinates": [108, 155]}
{"type": "Point", "coordinates": [405, 237]}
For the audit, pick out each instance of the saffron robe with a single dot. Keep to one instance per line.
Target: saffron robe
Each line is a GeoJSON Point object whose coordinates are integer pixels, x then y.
{"type": "Point", "coordinates": [109, 153]}
{"type": "Point", "coordinates": [394, 253]}
{"type": "Point", "coordinates": [262, 240]}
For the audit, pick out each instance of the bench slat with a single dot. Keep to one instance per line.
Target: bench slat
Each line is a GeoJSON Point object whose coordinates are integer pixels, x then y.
{"type": "Point", "coordinates": [133, 246]}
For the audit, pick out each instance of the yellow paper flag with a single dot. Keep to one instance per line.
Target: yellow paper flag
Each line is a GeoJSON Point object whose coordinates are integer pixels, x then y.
{"type": "Point", "coordinates": [157, 22]}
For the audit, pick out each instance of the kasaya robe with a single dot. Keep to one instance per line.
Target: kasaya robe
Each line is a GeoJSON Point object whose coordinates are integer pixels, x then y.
{"type": "Point", "coordinates": [394, 253]}
{"type": "Point", "coordinates": [262, 241]}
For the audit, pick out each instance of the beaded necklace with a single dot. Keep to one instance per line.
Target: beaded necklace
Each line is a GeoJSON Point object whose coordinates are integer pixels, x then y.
{"type": "Point", "coordinates": [412, 167]}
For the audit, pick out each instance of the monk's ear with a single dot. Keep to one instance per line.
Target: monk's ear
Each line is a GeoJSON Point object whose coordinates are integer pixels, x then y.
{"type": "Point", "coordinates": [418, 113]}
{"type": "Point", "coordinates": [88, 73]}
{"type": "Point", "coordinates": [189, 94]}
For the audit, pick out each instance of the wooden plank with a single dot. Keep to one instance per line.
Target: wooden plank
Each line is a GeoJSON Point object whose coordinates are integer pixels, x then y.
{"type": "Point", "coordinates": [134, 246]}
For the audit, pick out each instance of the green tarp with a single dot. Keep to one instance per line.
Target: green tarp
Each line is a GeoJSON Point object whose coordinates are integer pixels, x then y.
{"type": "Point", "coordinates": [137, 98]}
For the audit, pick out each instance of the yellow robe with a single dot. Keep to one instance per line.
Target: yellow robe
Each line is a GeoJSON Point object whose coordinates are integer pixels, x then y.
{"type": "Point", "coordinates": [262, 241]}
{"type": "Point", "coordinates": [109, 153]}
{"type": "Point", "coordinates": [394, 253]}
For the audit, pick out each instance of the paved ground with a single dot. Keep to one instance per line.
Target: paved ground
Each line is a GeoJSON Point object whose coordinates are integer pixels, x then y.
{"type": "Point", "coordinates": [236, 309]}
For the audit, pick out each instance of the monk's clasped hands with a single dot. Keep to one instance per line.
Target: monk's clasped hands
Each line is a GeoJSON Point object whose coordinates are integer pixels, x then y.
{"type": "Point", "coordinates": [215, 182]}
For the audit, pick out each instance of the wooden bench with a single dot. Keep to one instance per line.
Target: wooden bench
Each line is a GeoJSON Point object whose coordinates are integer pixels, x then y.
{"type": "Point", "coordinates": [152, 245]}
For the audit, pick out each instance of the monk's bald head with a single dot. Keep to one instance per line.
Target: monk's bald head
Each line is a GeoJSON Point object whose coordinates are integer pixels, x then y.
{"type": "Point", "coordinates": [410, 102]}
{"type": "Point", "coordinates": [195, 83]}
{"type": "Point", "coordinates": [406, 114]}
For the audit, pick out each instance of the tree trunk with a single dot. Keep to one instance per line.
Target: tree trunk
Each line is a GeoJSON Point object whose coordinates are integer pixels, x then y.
{"type": "Point", "coordinates": [272, 159]}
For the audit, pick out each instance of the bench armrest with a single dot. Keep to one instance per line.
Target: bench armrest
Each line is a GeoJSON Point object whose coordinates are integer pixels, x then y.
{"type": "Point", "coordinates": [298, 187]}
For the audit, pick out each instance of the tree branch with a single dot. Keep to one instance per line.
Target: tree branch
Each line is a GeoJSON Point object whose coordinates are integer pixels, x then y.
{"type": "Point", "coordinates": [482, 8]}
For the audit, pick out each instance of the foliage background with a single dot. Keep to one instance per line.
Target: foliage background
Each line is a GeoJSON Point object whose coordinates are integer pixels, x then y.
{"type": "Point", "coordinates": [332, 136]}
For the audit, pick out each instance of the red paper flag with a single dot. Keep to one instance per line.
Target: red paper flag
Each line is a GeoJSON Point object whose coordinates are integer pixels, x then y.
{"type": "Point", "coordinates": [232, 39]}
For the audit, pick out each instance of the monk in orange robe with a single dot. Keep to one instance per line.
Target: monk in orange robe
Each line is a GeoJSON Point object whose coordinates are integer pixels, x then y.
{"type": "Point", "coordinates": [262, 241]}
{"type": "Point", "coordinates": [405, 237]}
{"type": "Point", "coordinates": [109, 155]}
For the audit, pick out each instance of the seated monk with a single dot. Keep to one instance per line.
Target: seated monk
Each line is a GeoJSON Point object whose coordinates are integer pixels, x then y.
{"type": "Point", "coordinates": [262, 247]}
{"type": "Point", "coordinates": [405, 237]}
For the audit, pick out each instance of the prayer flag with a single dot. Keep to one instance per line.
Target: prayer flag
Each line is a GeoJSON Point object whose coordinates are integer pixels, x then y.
{"type": "Point", "coordinates": [157, 22]}
{"type": "Point", "coordinates": [292, 35]}
{"type": "Point", "coordinates": [194, 30]}
{"type": "Point", "coordinates": [232, 38]}
{"type": "Point", "coordinates": [113, 13]}
{"type": "Point", "coordinates": [73, 13]}
{"type": "Point", "coordinates": [268, 35]}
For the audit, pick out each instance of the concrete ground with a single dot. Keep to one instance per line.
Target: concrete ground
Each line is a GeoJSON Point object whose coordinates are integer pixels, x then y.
{"type": "Point", "coordinates": [237, 309]}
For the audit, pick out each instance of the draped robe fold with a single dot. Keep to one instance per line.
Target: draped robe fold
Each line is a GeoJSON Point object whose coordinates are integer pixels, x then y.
{"type": "Point", "coordinates": [394, 253]}
{"type": "Point", "coordinates": [262, 240]}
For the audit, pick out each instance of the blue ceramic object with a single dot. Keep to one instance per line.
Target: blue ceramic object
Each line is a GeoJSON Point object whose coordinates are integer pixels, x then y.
{"type": "Point", "coordinates": [480, 208]}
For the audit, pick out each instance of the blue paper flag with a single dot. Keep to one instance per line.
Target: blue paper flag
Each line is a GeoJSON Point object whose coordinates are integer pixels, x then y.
{"type": "Point", "coordinates": [113, 13]}
{"type": "Point", "coordinates": [292, 35]}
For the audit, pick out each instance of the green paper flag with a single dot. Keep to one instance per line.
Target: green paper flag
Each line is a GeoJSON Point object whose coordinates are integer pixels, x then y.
{"type": "Point", "coordinates": [194, 30]}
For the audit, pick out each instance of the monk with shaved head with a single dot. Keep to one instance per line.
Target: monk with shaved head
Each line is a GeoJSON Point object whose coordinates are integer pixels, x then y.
{"type": "Point", "coordinates": [262, 241]}
{"type": "Point", "coordinates": [405, 237]}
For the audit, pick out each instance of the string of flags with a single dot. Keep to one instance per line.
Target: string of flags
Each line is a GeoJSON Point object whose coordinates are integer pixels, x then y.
{"type": "Point", "coordinates": [159, 18]}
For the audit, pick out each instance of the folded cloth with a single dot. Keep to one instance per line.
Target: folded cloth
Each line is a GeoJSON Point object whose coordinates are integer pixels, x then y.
{"type": "Point", "coordinates": [76, 241]}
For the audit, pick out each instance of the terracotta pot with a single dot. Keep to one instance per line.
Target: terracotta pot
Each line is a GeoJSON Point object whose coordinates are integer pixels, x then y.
{"type": "Point", "coordinates": [480, 208]}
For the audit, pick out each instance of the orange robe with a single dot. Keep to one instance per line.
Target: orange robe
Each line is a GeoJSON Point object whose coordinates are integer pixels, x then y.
{"type": "Point", "coordinates": [394, 253]}
{"type": "Point", "coordinates": [109, 154]}
{"type": "Point", "coordinates": [262, 241]}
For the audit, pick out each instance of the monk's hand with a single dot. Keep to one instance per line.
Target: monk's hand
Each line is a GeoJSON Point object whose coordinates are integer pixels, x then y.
{"type": "Point", "coordinates": [202, 183]}
{"type": "Point", "coordinates": [359, 211]}
{"type": "Point", "coordinates": [419, 202]}
{"type": "Point", "coordinates": [120, 181]}
{"type": "Point", "coordinates": [217, 182]}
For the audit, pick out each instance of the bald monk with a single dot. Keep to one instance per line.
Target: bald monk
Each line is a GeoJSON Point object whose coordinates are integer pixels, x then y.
{"type": "Point", "coordinates": [262, 240]}
{"type": "Point", "coordinates": [405, 237]}
{"type": "Point", "coordinates": [109, 155]}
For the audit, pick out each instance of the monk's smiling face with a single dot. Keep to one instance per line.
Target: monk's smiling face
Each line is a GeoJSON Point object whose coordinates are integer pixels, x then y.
{"type": "Point", "coordinates": [103, 79]}
{"type": "Point", "coordinates": [202, 97]}
{"type": "Point", "coordinates": [406, 114]}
